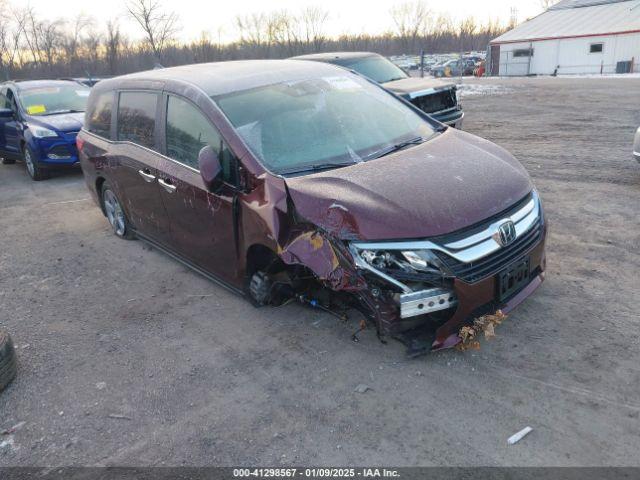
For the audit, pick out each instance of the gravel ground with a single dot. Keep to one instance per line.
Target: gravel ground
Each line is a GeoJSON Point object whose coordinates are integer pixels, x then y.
{"type": "Point", "coordinates": [128, 358]}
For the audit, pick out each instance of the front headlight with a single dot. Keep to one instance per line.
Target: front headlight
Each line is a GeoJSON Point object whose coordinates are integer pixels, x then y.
{"type": "Point", "coordinates": [424, 260]}
{"type": "Point", "coordinates": [41, 132]}
{"type": "Point", "coordinates": [406, 260]}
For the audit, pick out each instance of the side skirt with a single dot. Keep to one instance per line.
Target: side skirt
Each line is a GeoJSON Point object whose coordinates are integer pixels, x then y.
{"type": "Point", "coordinates": [187, 263]}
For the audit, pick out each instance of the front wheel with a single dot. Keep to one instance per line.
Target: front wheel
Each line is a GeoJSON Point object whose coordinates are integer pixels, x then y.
{"type": "Point", "coordinates": [115, 214]}
{"type": "Point", "coordinates": [35, 171]}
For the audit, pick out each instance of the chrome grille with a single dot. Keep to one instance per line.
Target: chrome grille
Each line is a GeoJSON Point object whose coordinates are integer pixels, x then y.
{"type": "Point", "coordinates": [496, 261]}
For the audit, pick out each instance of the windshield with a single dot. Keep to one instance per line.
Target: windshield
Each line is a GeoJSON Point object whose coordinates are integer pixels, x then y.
{"type": "Point", "coordinates": [376, 68]}
{"type": "Point", "coordinates": [55, 99]}
{"type": "Point", "coordinates": [333, 120]}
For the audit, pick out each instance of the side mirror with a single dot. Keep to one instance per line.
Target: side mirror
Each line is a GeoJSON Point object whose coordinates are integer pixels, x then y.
{"type": "Point", "coordinates": [6, 114]}
{"type": "Point", "coordinates": [210, 168]}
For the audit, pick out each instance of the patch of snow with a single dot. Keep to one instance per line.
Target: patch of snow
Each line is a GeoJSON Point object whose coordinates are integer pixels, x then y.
{"type": "Point", "coordinates": [8, 443]}
{"type": "Point", "coordinates": [470, 89]}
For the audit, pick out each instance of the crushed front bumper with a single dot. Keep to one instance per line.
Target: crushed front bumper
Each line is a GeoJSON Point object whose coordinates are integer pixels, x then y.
{"type": "Point", "coordinates": [472, 264]}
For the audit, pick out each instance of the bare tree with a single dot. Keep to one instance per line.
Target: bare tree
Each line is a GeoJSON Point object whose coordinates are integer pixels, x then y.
{"type": "Point", "coordinates": [252, 29]}
{"type": "Point", "coordinates": [282, 32]}
{"type": "Point", "coordinates": [466, 31]}
{"type": "Point", "coordinates": [11, 29]}
{"type": "Point", "coordinates": [159, 26]}
{"type": "Point", "coordinates": [112, 45]}
{"type": "Point", "coordinates": [50, 39]}
{"type": "Point", "coordinates": [91, 50]}
{"type": "Point", "coordinates": [35, 47]}
{"type": "Point", "coordinates": [409, 19]}
{"type": "Point", "coordinates": [314, 21]}
{"type": "Point", "coordinates": [27, 17]}
{"type": "Point", "coordinates": [73, 37]}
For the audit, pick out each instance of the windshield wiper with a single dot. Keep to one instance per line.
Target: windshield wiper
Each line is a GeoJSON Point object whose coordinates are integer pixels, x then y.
{"type": "Point", "coordinates": [315, 167]}
{"type": "Point", "coordinates": [394, 148]}
{"type": "Point", "coordinates": [56, 112]}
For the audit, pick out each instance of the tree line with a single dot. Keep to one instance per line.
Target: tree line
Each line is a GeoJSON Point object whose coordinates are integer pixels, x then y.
{"type": "Point", "coordinates": [36, 47]}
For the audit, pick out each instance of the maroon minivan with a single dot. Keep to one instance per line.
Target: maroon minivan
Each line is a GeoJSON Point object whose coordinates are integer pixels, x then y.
{"type": "Point", "coordinates": [289, 179]}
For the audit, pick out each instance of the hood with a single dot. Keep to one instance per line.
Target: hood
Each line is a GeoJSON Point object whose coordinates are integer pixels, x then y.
{"type": "Point", "coordinates": [63, 122]}
{"type": "Point", "coordinates": [414, 87]}
{"type": "Point", "coordinates": [448, 183]}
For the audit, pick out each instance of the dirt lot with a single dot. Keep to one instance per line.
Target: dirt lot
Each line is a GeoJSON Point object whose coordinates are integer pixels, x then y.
{"type": "Point", "coordinates": [128, 358]}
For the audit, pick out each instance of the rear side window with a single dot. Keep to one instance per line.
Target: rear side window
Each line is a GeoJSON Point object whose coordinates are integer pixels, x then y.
{"type": "Point", "coordinates": [7, 101]}
{"type": "Point", "coordinates": [188, 131]}
{"type": "Point", "coordinates": [99, 115]}
{"type": "Point", "coordinates": [4, 101]}
{"type": "Point", "coordinates": [137, 118]}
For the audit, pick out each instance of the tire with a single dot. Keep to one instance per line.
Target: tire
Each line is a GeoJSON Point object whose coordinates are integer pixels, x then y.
{"type": "Point", "coordinates": [35, 171]}
{"type": "Point", "coordinates": [8, 161]}
{"type": "Point", "coordinates": [8, 362]}
{"type": "Point", "coordinates": [114, 212]}
{"type": "Point", "coordinates": [260, 289]}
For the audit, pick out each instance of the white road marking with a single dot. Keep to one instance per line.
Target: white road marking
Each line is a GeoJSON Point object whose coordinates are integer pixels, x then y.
{"type": "Point", "coordinates": [68, 201]}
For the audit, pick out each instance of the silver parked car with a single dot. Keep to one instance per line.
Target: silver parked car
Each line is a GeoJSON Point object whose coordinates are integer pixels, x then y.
{"type": "Point", "coordinates": [636, 146]}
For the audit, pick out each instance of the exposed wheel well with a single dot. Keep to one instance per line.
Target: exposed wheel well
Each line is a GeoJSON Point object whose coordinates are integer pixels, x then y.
{"type": "Point", "coordinates": [260, 257]}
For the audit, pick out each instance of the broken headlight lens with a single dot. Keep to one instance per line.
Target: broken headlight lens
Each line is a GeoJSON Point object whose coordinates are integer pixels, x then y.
{"type": "Point", "coordinates": [423, 260]}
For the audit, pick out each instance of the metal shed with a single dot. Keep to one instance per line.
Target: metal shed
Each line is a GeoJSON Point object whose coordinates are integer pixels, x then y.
{"type": "Point", "coordinates": [572, 37]}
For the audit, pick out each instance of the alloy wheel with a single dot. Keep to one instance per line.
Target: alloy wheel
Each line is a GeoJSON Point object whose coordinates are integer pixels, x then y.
{"type": "Point", "coordinates": [31, 168]}
{"type": "Point", "coordinates": [114, 212]}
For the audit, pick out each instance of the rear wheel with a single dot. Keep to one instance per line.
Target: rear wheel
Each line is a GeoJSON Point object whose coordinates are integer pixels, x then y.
{"type": "Point", "coordinates": [115, 214]}
{"type": "Point", "coordinates": [35, 171]}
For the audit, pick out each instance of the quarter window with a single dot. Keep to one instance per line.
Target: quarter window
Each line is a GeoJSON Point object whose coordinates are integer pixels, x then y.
{"type": "Point", "coordinates": [99, 115]}
{"type": "Point", "coordinates": [188, 131]}
{"type": "Point", "coordinates": [596, 47]}
{"type": "Point", "coordinates": [137, 118]}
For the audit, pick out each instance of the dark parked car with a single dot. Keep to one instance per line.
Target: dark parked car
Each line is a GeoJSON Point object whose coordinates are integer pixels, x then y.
{"type": "Point", "coordinates": [454, 68]}
{"type": "Point", "coordinates": [39, 121]}
{"type": "Point", "coordinates": [87, 81]}
{"type": "Point", "coordinates": [437, 98]}
{"type": "Point", "coordinates": [309, 181]}
{"type": "Point", "coordinates": [636, 146]}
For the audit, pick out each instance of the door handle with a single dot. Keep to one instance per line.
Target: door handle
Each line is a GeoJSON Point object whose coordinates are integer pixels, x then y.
{"type": "Point", "coordinates": [146, 174]}
{"type": "Point", "coordinates": [169, 187]}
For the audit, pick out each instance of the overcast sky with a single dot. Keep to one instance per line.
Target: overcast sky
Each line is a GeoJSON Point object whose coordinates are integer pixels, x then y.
{"type": "Point", "coordinates": [346, 16]}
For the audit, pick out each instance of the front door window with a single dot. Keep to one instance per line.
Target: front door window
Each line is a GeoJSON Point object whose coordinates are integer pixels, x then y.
{"type": "Point", "coordinates": [202, 222]}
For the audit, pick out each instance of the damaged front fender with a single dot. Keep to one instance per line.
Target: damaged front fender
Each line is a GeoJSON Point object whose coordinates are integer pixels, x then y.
{"type": "Point", "coordinates": [327, 259]}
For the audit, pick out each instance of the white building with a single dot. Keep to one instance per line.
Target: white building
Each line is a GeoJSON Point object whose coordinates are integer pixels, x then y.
{"type": "Point", "coordinates": [572, 37]}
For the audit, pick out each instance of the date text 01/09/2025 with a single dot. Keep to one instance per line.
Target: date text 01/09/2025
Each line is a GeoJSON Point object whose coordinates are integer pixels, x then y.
{"type": "Point", "coordinates": [315, 473]}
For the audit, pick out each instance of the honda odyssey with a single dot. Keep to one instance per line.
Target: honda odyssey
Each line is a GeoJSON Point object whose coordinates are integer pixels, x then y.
{"type": "Point", "coordinates": [294, 179]}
